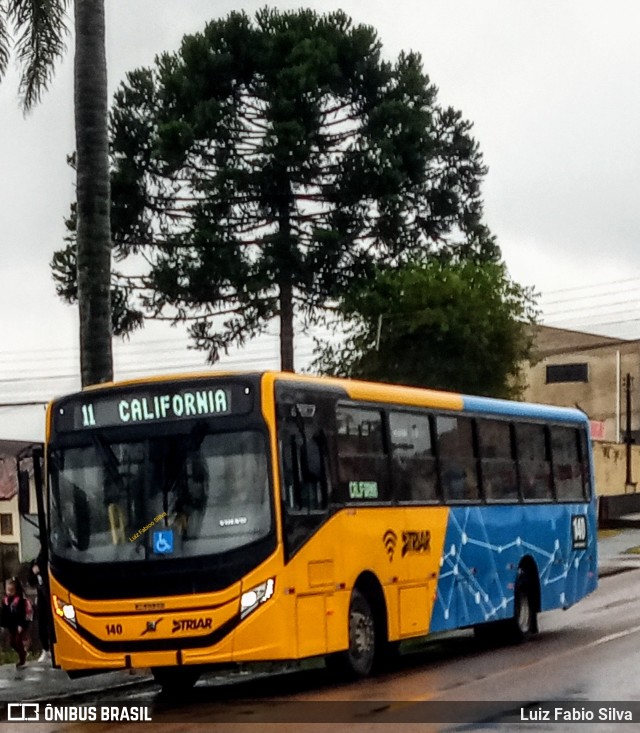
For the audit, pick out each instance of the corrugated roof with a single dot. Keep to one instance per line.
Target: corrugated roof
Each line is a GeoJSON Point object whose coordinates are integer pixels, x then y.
{"type": "Point", "coordinates": [9, 451]}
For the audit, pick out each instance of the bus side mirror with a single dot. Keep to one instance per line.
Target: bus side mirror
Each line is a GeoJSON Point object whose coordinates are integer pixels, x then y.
{"type": "Point", "coordinates": [24, 492]}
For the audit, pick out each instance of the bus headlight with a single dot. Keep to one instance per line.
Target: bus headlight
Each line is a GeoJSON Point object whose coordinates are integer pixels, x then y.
{"type": "Point", "coordinates": [251, 599]}
{"type": "Point", "coordinates": [64, 610]}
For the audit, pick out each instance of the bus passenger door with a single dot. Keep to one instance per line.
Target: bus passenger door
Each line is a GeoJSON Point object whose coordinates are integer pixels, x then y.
{"type": "Point", "coordinates": [303, 427]}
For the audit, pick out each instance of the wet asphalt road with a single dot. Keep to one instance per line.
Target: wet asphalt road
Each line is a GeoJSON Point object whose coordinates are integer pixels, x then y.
{"type": "Point", "coordinates": [588, 653]}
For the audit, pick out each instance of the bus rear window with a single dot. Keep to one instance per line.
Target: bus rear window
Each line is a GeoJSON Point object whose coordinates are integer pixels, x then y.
{"type": "Point", "coordinates": [584, 461]}
{"type": "Point", "coordinates": [567, 468]}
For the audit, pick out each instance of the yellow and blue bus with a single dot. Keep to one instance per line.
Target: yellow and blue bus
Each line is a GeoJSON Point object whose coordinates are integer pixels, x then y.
{"type": "Point", "coordinates": [223, 518]}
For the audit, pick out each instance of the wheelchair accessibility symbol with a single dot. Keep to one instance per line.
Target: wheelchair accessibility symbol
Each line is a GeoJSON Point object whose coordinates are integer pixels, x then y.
{"type": "Point", "coordinates": [163, 541]}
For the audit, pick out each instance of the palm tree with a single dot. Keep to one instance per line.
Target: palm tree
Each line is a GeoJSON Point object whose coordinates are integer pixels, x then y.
{"type": "Point", "coordinates": [93, 197]}
{"type": "Point", "coordinates": [35, 30]}
{"type": "Point", "coordinates": [39, 29]}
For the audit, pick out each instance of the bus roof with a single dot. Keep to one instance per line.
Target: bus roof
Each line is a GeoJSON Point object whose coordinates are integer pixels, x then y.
{"type": "Point", "coordinates": [511, 408]}
{"type": "Point", "coordinates": [383, 392]}
{"type": "Point", "coordinates": [426, 397]}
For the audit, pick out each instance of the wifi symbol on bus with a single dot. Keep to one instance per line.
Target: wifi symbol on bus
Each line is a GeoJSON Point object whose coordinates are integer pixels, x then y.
{"type": "Point", "coordinates": [390, 539]}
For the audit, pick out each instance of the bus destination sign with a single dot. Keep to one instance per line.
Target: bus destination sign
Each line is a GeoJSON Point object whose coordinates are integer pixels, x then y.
{"type": "Point", "coordinates": [149, 406]}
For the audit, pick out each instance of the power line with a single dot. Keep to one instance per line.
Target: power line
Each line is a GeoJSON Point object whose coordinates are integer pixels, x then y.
{"type": "Point", "coordinates": [589, 297]}
{"type": "Point", "coordinates": [593, 285]}
{"type": "Point", "coordinates": [74, 350]}
{"type": "Point", "coordinates": [23, 404]}
{"type": "Point", "coordinates": [581, 315]}
{"type": "Point", "coordinates": [124, 353]}
{"type": "Point", "coordinates": [134, 361]}
{"type": "Point", "coordinates": [591, 316]}
{"type": "Point", "coordinates": [258, 353]}
{"type": "Point", "coordinates": [127, 355]}
{"type": "Point", "coordinates": [588, 317]}
{"type": "Point", "coordinates": [621, 322]}
{"type": "Point", "coordinates": [130, 348]}
{"type": "Point", "coordinates": [219, 366]}
{"type": "Point", "coordinates": [265, 346]}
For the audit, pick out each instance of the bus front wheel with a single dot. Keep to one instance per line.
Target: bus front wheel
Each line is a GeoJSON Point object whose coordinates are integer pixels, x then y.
{"type": "Point", "coordinates": [175, 680]}
{"type": "Point", "coordinates": [358, 660]}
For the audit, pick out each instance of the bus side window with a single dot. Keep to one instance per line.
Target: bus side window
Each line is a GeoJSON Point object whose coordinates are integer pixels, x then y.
{"type": "Point", "coordinates": [499, 477]}
{"type": "Point", "coordinates": [362, 458]}
{"type": "Point", "coordinates": [567, 468]}
{"type": "Point", "coordinates": [534, 462]}
{"type": "Point", "coordinates": [458, 465]}
{"type": "Point", "coordinates": [413, 462]}
{"type": "Point", "coordinates": [301, 492]}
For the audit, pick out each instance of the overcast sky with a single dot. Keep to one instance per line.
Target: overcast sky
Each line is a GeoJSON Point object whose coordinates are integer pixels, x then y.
{"type": "Point", "coordinates": [552, 88]}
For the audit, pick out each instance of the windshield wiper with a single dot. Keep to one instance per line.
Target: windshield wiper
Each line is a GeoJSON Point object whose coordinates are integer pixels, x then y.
{"type": "Point", "coordinates": [110, 462]}
{"type": "Point", "coordinates": [194, 440]}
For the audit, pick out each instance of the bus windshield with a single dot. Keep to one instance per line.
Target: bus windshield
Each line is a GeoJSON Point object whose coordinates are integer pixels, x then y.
{"type": "Point", "coordinates": [207, 493]}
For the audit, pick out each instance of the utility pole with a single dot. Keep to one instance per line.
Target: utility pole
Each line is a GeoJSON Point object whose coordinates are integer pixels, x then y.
{"type": "Point", "coordinates": [628, 385]}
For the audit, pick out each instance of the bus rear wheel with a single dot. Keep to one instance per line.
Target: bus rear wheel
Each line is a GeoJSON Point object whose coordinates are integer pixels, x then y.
{"type": "Point", "coordinates": [524, 623]}
{"type": "Point", "coordinates": [175, 680]}
{"type": "Point", "coordinates": [358, 660]}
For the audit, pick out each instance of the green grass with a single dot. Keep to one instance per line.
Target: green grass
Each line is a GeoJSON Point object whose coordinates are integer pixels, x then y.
{"type": "Point", "coordinates": [8, 656]}
{"type": "Point", "coordinates": [633, 550]}
{"type": "Point", "coordinates": [603, 533]}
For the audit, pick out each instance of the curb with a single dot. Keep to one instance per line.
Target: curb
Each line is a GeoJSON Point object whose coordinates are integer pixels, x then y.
{"type": "Point", "coordinates": [607, 571]}
{"type": "Point", "coordinates": [77, 694]}
{"type": "Point", "coordinates": [127, 685]}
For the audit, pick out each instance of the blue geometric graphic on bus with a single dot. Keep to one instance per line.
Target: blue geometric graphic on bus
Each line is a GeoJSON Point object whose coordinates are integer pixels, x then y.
{"type": "Point", "coordinates": [483, 547]}
{"type": "Point", "coordinates": [163, 541]}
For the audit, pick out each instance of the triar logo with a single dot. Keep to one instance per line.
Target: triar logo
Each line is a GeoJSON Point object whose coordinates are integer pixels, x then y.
{"type": "Point", "coordinates": [191, 624]}
{"type": "Point", "coordinates": [390, 539]}
{"type": "Point", "coordinates": [416, 541]}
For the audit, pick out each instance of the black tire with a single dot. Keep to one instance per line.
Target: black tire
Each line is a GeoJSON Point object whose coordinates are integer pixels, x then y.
{"type": "Point", "coordinates": [176, 680]}
{"type": "Point", "coordinates": [359, 659]}
{"type": "Point", "coordinates": [524, 623]}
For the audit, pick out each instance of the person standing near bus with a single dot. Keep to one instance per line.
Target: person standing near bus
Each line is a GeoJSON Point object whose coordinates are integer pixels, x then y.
{"type": "Point", "coordinates": [16, 617]}
{"type": "Point", "coordinates": [36, 579]}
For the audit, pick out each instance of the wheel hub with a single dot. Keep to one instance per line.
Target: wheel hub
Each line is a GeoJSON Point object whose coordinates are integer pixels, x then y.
{"type": "Point", "coordinates": [362, 634]}
{"type": "Point", "coordinates": [524, 615]}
